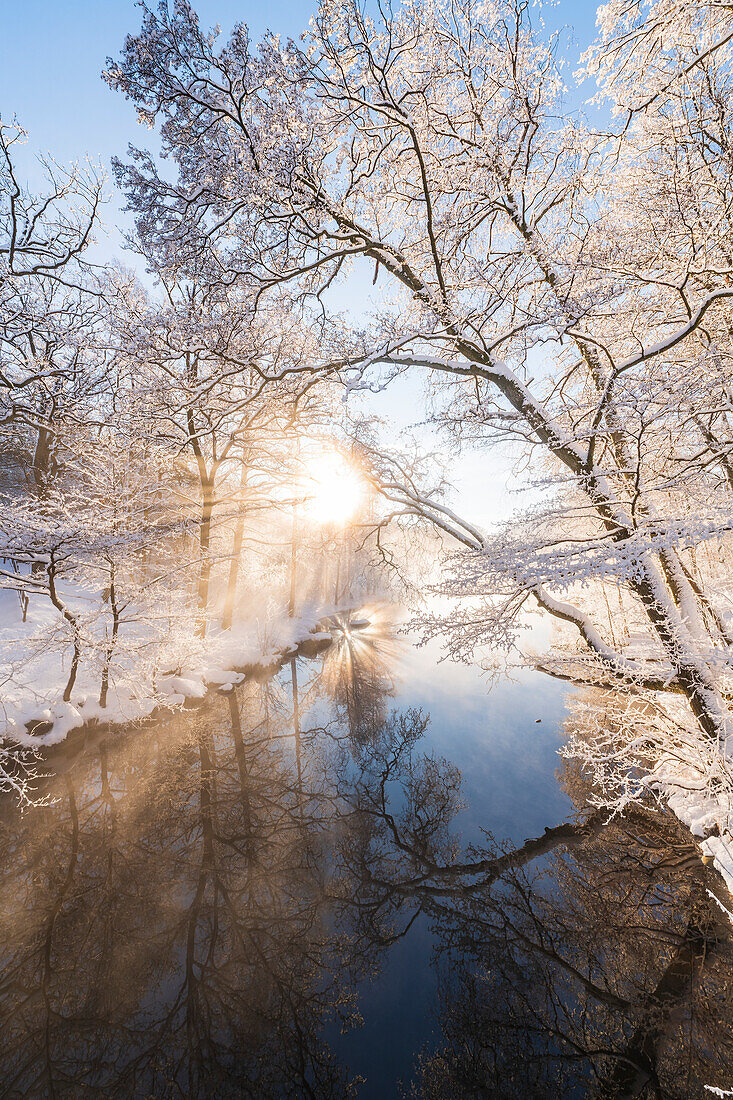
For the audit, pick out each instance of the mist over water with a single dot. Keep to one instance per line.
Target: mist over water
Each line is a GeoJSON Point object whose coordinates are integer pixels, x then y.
{"type": "Point", "coordinates": [328, 893]}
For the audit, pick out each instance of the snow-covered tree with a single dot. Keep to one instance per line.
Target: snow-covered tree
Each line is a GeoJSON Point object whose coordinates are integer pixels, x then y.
{"type": "Point", "coordinates": [430, 145]}
{"type": "Point", "coordinates": [51, 300]}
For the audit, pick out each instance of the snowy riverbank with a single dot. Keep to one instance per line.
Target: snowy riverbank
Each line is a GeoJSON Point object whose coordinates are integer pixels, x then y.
{"type": "Point", "coordinates": [34, 715]}
{"type": "Point", "coordinates": [151, 674]}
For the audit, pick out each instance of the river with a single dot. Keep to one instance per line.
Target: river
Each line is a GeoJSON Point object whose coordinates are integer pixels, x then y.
{"type": "Point", "coordinates": [366, 875]}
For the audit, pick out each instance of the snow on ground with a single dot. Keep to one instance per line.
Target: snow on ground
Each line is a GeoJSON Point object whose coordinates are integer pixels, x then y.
{"type": "Point", "coordinates": [147, 671]}
{"type": "Point", "coordinates": [704, 809]}
{"type": "Point", "coordinates": [696, 781]}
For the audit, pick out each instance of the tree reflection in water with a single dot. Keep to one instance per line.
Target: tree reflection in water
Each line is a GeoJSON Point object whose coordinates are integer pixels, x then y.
{"type": "Point", "coordinates": [192, 910]}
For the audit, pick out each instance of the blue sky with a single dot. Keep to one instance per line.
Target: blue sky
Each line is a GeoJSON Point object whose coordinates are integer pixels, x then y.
{"type": "Point", "coordinates": [52, 52]}
{"type": "Point", "coordinates": [51, 55]}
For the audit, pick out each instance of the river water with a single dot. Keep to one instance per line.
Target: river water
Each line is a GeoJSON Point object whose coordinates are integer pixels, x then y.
{"type": "Point", "coordinates": [367, 875]}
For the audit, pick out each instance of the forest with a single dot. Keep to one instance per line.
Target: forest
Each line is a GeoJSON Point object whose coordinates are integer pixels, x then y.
{"type": "Point", "coordinates": [419, 238]}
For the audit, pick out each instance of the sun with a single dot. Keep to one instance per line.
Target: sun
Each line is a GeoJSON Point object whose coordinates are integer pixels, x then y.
{"type": "Point", "coordinates": [334, 490]}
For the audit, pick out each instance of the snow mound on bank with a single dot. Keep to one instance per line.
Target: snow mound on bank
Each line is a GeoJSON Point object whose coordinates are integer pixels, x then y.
{"type": "Point", "coordinates": [33, 715]}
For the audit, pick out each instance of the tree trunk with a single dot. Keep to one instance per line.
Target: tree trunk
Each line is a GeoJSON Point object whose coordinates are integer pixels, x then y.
{"type": "Point", "coordinates": [71, 620]}
{"type": "Point", "coordinates": [42, 458]}
{"type": "Point", "coordinates": [113, 638]}
{"type": "Point", "coordinates": [207, 508]}
{"type": "Point", "coordinates": [293, 563]}
{"type": "Point", "coordinates": [691, 671]}
{"type": "Point", "coordinates": [226, 620]}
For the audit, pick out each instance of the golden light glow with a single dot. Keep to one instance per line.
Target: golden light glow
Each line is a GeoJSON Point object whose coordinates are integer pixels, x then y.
{"type": "Point", "coordinates": [334, 489]}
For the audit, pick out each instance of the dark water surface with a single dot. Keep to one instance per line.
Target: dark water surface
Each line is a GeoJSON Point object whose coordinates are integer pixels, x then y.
{"type": "Point", "coordinates": [326, 891]}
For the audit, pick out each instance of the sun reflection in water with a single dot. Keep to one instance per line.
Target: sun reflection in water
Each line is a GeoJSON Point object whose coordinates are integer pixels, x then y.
{"type": "Point", "coordinates": [360, 667]}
